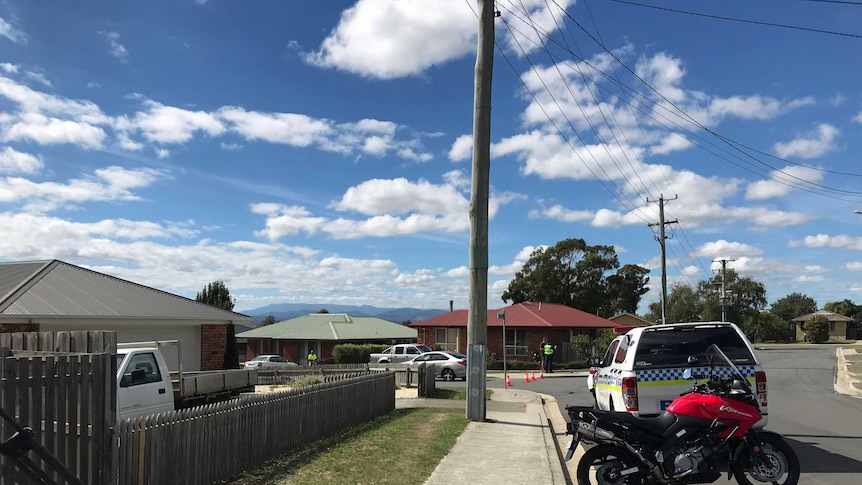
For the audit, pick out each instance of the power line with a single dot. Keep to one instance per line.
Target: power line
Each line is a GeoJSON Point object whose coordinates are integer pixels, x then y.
{"type": "Point", "coordinates": [731, 19]}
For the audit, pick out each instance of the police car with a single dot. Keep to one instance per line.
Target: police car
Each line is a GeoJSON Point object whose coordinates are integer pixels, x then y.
{"type": "Point", "coordinates": [641, 372]}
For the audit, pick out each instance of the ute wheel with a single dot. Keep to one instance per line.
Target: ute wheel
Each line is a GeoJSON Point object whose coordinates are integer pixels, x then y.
{"type": "Point", "coordinates": [606, 464]}
{"type": "Point", "coordinates": [778, 466]}
{"type": "Point", "coordinates": [611, 404]}
{"type": "Point", "coordinates": [448, 374]}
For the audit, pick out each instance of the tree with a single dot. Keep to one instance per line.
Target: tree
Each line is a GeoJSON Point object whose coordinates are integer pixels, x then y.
{"type": "Point", "coordinates": [767, 326]}
{"type": "Point", "coordinates": [846, 308]}
{"type": "Point", "coordinates": [792, 306]}
{"type": "Point", "coordinates": [323, 310]}
{"type": "Point", "coordinates": [216, 294]}
{"type": "Point", "coordinates": [267, 320]}
{"type": "Point", "coordinates": [574, 274]}
{"type": "Point", "coordinates": [625, 289]}
{"type": "Point", "coordinates": [817, 330]}
{"type": "Point", "coordinates": [745, 297]}
{"type": "Point", "coordinates": [683, 305]}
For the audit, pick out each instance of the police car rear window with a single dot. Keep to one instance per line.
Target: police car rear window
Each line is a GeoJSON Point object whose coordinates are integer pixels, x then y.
{"type": "Point", "coordinates": [672, 347]}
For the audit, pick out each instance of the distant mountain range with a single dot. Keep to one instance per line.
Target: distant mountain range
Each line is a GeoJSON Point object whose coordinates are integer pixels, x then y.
{"type": "Point", "coordinates": [286, 311]}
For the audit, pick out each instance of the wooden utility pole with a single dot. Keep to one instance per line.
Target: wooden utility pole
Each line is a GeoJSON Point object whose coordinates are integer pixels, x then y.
{"type": "Point", "coordinates": [477, 314]}
{"type": "Point", "coordinates": [661, 239]}
{"type": "Point", "coordinates": [723, 287]}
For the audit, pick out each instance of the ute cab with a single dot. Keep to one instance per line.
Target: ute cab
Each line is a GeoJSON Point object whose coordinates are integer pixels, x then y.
{"type": "Point", "coordinates": [642, 370]}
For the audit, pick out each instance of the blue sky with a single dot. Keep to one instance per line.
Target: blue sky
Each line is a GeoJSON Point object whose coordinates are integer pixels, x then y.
{"type": "Point", "coordinates": [320, 152]}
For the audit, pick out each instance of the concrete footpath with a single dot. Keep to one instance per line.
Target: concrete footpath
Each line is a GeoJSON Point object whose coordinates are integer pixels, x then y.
{"type": "Point", "coordinates": [524, 437]}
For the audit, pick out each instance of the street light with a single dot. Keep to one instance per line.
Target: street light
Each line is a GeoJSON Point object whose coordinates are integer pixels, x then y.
{"type": "Point", "coordinates": [502, 316]}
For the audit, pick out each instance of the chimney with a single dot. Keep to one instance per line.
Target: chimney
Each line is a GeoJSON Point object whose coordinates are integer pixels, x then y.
{"type": "Point", "coordinates": [451, 306]}
{"type": "Point", "coordinates": [540, 306]}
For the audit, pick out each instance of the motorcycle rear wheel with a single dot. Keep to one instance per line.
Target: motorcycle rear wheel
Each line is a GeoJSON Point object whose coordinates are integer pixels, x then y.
{"type": "Point", "coordinates": [604, 465]}
{"type": "Point", "coordinates": [781, 466]}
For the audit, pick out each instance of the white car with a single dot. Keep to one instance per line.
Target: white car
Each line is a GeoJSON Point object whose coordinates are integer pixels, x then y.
{"type": "Point", "coordinates": [642, 370]}
{"type": "Point", "coordinates": [269, 362]}
{"type": "Point", "coordinates": [448, 365]}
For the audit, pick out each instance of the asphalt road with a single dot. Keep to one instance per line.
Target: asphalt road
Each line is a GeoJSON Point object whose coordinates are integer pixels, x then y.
{"type": "Point", "coordinates": [825, 428]}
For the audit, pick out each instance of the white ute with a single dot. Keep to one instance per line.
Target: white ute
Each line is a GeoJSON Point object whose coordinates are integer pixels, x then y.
{"type": "Point", "coordinates": [145, 385]}
{"type": "Point", "coordinates": [642, 370]}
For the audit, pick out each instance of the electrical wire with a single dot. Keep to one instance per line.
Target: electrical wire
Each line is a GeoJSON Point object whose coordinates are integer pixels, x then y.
{"type": "Point", "coordinates": [731, 19]}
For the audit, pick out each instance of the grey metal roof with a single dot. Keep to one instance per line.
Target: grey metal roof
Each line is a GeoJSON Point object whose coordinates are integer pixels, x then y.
{"type": "Point", "coordinates": [56, 288]}
{"type": "Point", "coordinates": [830, 316]}
{"type": "Point", "coordinates": [332, 326]}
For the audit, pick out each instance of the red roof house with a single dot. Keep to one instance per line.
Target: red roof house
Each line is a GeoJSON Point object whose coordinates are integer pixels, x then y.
{"type": "Point", "coordinates": [526, 324]}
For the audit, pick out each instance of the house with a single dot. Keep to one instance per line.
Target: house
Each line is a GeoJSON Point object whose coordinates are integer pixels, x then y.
{"type": "Point", "coordinates": [526, 324]}
{"type": "Point", "coordinates": [629, 320]}
{"type": "Point", "coordinates": [294, 338]}
{"type": "Point", "coordinates": [840, 327]}
{"type": "Point", "coordinates": [51, 296]}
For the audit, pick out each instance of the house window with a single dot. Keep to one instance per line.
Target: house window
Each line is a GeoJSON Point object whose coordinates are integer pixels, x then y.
{"type": "Point", "coordinates": [831, 326]}
{"type": "Point", "coordinates": [516, 341]}
{"type": "Point", "coordinates": [447, 339]}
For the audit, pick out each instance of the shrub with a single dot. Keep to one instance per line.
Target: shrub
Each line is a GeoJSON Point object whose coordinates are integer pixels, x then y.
{"type": "Point", "coordinates": [817, 330]}
{"type": "Point", "coordinates": [355, 354]}
{"type": "Point", "coordinates": [307, 381]}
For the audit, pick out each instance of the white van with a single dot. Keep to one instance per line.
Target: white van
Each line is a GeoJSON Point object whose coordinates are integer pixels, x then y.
{"type": "Point", "coordinates": [641, 372]}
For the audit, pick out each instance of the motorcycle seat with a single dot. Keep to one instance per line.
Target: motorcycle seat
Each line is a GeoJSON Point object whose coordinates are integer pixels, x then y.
{"type": "Point", "coordinates": [656, 425]}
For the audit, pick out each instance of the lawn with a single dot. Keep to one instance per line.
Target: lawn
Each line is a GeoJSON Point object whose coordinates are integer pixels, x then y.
{"type": "Point", "coordinates": [402, 447]}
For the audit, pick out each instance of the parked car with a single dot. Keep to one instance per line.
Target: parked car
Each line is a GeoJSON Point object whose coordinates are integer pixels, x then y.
{"type": "Point", "coordinates": [642, 370]}
{"type": "Point", "coordinates": [269, 362]}
{"type": "Point", "coordinates": [398, 354]}
{"type": "Point", "coordinates": [448, 365]}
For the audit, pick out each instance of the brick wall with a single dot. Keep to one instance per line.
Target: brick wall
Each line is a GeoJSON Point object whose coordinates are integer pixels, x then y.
{"type": "Point", "coordinates": [213, 342]}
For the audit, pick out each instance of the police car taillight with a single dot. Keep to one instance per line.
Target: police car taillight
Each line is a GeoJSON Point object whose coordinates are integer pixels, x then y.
{"type": "Point", "coordinates": [630, 393]}
{"type": "Point", "coordinates": [760, 385]}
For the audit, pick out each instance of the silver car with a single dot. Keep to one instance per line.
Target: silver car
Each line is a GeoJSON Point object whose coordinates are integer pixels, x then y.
{"type": "Point", "coordinates": [448, 365]}
{"type": "Point", "coordinates": [269, 362]}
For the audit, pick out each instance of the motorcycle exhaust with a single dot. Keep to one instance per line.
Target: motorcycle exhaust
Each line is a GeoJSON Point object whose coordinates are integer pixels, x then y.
{"type": "Point", "coordinates": [590, 431]}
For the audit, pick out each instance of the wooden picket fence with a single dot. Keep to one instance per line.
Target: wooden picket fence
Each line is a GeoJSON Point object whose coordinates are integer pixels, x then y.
{"type": "Point", "coordinates": [63, 386]}
{"type": "Point", "coordinates": [203, 445]}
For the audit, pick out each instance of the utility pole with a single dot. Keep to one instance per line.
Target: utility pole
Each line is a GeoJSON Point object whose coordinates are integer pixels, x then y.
{"type": "Point", "coordinates": [661, 240]}
{"type": "Point", "coordinates": [723, 286]}
{"type": "Point", "coordinates": [477, 313]}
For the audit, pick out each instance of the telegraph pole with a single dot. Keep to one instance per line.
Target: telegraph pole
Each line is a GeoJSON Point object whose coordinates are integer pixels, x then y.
{"type": "Point", "coordinates": [661, 240]}
{"type": "Point", "coordinates": [477, 313]}
{"type": "Point", "coordinates": [723, 286]}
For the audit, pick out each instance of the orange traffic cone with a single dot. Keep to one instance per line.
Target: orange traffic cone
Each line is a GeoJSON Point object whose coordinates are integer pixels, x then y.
{"type": "Point", "coordinates": [532, 375]}
{"type": "Point", "coordinates": [542, 374]}
{"type": "Point", "coordinates": [508, 382]}
{"type": "Point", "coordinates": [526, 376]}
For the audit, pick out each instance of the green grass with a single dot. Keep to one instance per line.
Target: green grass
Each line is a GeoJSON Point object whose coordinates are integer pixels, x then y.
{"type": "Point", "coordinates": [456, 393]}
{"type": "Point", "coordinates": [401, 447]}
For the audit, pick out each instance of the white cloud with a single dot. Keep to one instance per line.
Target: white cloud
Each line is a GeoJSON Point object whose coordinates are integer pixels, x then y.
{"type": "Point", "coordinates": [118, 50]}
{"type": "Point", "coordinates": [858, 117]}
{"type": "Point", "coordinates": [809, 145]}
{"type": "Point", "coordinates": [49, 131]}
{"type": "Point", "coordinates": [827, 241]}
{"type": "Point", "coordinates": [808, 279]}
{"type": "Point", "coordinates": [168, 124]}
{"type": "Point", "coordinates": [722, 249]}
{"type": "Point", "coordinates": [107, 184]}
{"type": "Point", "coordinates": [783, 182]}
{"type": "Point", "coordinates": [288, 128]}
{"type": "Point", "coordinates": [12, 161]}
{"type": "Point", "coordinates": [560, 213]}
{"type": "Point", "coordinates": [285, 220]}
{"type": "Point", "coordinates": [231, 147]}
{"type": "Point", "coordinates": [9, 68]}
{"type": "Point", "coordinates": [462, 148]}
{"type": "Point", "coordinates": [815, 268]}
{"type": "Point", "coordinates": [12, 33]}
{"type": "Point", "coordinates": [390, 38]}
{"type": "Point", "coordinates": [853, 266]}
{"type": "Point", "coordinates": [399, 196]}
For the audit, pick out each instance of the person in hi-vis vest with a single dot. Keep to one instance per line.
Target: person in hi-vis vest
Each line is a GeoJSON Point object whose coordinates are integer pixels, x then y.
{"type": "Point", "coordinates": [548, 351]}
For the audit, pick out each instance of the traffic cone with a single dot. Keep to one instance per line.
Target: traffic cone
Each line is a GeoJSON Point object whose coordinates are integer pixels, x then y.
{"type": "Point", "coordinates": [508, 382]}
{"type": "Point", "coordinates": [532, 375]}
{"type": "Point", "coordinates": [526, 376]}
{"type": "Point", "coordinates": [542, 374]}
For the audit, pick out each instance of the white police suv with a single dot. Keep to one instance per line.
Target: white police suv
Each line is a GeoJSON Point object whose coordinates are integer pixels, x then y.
{"type": "Point", "coordinates": [641, 372]}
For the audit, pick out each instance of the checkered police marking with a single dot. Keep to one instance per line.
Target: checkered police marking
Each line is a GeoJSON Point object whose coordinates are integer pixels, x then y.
{"type": "Point", "coordinates": [674, 376]}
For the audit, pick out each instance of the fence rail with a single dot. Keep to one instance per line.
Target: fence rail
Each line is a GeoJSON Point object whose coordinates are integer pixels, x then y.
{"type": "Point", "coordinates": [68, 399]}
{"type": "Point", "coordinates": [211, 443]}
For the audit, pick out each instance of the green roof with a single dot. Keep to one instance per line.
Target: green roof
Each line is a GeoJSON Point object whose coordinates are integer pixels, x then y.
{"type": "Point", "coordinates": [332, 326]}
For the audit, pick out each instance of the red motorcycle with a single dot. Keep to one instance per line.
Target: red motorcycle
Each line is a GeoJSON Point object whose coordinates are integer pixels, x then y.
{"type": "Point", "coordinates": [708, 429]}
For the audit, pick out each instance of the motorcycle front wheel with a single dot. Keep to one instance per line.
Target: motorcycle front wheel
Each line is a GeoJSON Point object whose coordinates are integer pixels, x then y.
{"type": "Point", "coordinates": [779, 464]}
{"type": "Point", "coordinates": [609, 465]}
